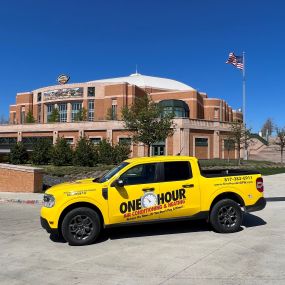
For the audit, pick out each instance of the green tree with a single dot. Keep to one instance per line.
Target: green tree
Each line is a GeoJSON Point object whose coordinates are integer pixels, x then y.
{"type": "Point", "coordinates": [145, 121]}
{"type": "Point", "coordinates": [121, 152]}
{"type": "Point", "coordinates": [42, 150]}
{"type": "Point", "coordinates": [105, 152]}
{"type": "Point", "coordinates": [30, 118]}
{"type": "Point", "coordinates": [111, 114]}
{"type": "Point", "coordinates": [18, 154]}
{"type": "Point", "coordinates": [85, 153]}
{"type": "Point", "coordinates": [240, 137]}
{"type": "Point", "coordinates": [62, 153]}
{"type": "Point", "coordinates": [280, 141]}
{"type": "Point", "coordinates": [81, 115]}
{"type": "Point", "coordinates": [54, 116]}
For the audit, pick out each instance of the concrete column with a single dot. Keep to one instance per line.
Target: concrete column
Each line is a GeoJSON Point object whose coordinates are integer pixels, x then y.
{"type": "Point", "coordinates": [110, 136]}
{"type": "Point", "coordinates": [69, 110]}
{"type": "Point", "coordinates": [176, 141]}
{"type": "Point", "coordinates": [55, 136]}
{"type": "Point", "coordinates": [216, 144]}
{"type": "Point", "coordinates": [140, 150]}
{"type": "Point", "coordinates": [44, 110]}
{"type": "Point", "coordinates": [19, 136]}
{"type": "Point", "coordinates": [185, 140]}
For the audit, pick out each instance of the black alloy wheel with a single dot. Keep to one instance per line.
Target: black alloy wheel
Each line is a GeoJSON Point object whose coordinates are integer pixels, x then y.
{"type": "Point", "coordinates": [226, 216]}
{"type": "Point", "coordinates": [81, 226]}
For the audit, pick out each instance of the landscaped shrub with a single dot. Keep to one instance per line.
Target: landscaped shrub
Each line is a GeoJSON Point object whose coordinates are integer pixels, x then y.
{"type": "Point", "coordinates": [85, 153]}
{"type": "Point", "coordinates": [105, 152]}
{"type": "Point", "coordinates": [61, 153]}
{"type": "Point", "coordinates": [18, 154]}
{"type": "Point", "coordinates": [42, 150]}
{"type": "Point", "coordinates": [121, 152]}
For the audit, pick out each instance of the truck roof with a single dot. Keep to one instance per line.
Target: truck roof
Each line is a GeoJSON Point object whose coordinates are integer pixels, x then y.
{"type": "Point", "coordinates": [161, 158]}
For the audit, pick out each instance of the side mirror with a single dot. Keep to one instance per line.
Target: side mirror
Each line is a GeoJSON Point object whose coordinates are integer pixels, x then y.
{"type": "Point", "coordinates": [118, 183]}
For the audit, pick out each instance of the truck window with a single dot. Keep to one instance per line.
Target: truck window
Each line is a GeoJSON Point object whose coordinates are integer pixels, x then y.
{"type": "Point", "coordinates": [177, 171]}
{"type": "Point", "coordinates": [112, 172]}
{"type": "Point", "coordinates": [140, 174]}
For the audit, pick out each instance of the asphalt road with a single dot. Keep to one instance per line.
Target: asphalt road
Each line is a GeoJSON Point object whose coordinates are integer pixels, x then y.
{"type": "Point", "coordinates": [180, 253]}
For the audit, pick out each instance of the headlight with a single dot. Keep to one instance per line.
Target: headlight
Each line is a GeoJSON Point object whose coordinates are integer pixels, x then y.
{"type": "Point", "coordinates": [49, 201]}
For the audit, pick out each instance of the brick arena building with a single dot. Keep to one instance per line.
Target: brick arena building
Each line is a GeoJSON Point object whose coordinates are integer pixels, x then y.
{"type": "Point", "coordinates": [201, 122]}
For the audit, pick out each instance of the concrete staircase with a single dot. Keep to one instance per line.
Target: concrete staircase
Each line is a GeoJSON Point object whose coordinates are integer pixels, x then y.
{"type": "Point", "coordinates": [267, 153]}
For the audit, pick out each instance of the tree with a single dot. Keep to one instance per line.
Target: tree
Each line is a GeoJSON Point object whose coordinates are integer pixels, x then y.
{"type": "Point", "coordinates": [18, 154]}
{"type": "Point", "coordinates": [111, 114]}
{"type": "Point", "coordinates": [54, 116]}
{"type": "Point", "coordinates": [228, 146]}
{"type": "Point", "coordinates": [240, 137]}
{"type": "Point", "coordinates": [267, 128]}
{"type": "Point", "coordinates": [105, 152]}
{"type": "Point", "coordinates": [42, 150]}
{"type": "Point", "coordinates": [30, 118]}
{"type": "Point", "coordinates": [121, 152]}
{"type": "Point", "coordinates": [145, 121]}
{"type": "Point", "coordinates": [280, 141]}
{"type": "Point", "coordinates": [81, 115]}
{"type": "Point", "coordinates": [85, 153]}
{"type": "Point", "coordinates": [61, 153]}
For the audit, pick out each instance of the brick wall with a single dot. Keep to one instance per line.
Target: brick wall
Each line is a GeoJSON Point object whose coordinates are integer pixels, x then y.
{"type": "Point", "coordinates": [15, 178]}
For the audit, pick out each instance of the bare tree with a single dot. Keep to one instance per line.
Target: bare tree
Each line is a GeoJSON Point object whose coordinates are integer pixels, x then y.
{"type": "Point", "coordinates": [280, 141]}
{"type": "Point", "coordinates": [240, 137]}
{"type": "Point", "coordinates": [267, 128]}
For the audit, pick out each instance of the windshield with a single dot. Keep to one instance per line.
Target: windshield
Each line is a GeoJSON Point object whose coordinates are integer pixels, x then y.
{"type": "Point", "coordinates": [112, 172]}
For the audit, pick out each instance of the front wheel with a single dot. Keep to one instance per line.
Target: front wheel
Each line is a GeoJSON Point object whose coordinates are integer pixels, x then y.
{"type": "Point", "coordinates": [226, 216]}
{"type": "Point", "coordinates": [81, 226]}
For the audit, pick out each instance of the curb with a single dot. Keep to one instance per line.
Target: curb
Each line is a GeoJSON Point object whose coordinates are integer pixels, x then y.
{"type": "Point", "coordinates": [21, 201]}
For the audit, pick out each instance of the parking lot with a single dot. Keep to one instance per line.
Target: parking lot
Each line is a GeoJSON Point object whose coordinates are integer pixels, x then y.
{"type": "Point", "coordinates": [170, 253]}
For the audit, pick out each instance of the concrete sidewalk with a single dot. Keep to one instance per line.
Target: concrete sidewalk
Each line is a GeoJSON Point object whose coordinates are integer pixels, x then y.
{"type": "Point", "coordinates": [272, 184]}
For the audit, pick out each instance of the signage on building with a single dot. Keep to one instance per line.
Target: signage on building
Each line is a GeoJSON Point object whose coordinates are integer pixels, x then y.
{"type": "Point", "coordinates": [63, 79]}
{"type": "Point", "coordinates": [63, 93]}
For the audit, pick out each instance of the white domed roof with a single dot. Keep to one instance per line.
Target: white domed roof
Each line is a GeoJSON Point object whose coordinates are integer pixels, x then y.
{"type": "Point", "coordinates": [148, 81]}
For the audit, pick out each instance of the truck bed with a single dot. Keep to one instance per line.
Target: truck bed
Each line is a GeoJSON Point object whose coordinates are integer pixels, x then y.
{"type": "Point", "coordinates": [211, 173]}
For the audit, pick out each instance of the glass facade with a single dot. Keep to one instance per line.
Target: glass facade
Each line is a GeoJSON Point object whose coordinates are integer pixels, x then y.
{"type": "Point", "coordinates": [75, 109]}
{"type": "Point", "coordinates": [95, 140]}
{"type": "Point", "coordinates": [91, 111]}
{"type": "Point", "coordinates": [127, 141]}
{"type": "Point", "coordinates": [176, 107]}
{"type": "Point", "coordinates": [50, 108]}
{"type": "Point", "coordinates": [62, 108]}
{"type": "Point", "coordinates": [39, 113]}
{"type": "Point", "coordinates": [201, 142]}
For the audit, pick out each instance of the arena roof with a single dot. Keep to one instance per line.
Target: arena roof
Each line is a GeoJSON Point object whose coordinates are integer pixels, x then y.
{"type": "Point", "coordinates": [148, 81]}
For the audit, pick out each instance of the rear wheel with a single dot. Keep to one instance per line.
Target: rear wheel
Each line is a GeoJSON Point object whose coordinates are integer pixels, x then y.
{"type": "Point", "coordinates": [81, 226]}
{"type": "Point", "coordinates": [226, 216]}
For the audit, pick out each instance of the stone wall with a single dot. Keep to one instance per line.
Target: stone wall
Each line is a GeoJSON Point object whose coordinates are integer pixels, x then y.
{"type": "Point", "coordinates": [15, 178]}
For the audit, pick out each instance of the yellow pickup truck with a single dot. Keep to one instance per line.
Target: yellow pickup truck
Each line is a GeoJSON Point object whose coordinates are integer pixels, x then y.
{"type": "Point", "coordinates": [148, 190]}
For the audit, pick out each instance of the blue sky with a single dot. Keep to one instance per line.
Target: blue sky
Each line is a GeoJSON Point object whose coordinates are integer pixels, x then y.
{"type": "Point", "coordinates": [185, 40]}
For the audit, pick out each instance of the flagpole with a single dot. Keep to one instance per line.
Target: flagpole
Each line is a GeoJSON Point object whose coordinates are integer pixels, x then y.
{"type": "Point", "coordinates": [243, 102]}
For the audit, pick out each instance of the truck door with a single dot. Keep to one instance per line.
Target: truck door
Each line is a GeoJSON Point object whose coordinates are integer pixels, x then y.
{"type": "Point", "coordinates": [136, 200]}
{"type": "Point", "coordinates": [179, 190]}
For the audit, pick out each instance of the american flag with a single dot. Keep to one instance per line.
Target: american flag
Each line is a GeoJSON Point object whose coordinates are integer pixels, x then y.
{"type": "Point", "coordinates": [235, 60]}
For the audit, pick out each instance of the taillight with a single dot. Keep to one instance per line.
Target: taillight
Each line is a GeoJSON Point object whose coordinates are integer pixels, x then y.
{"type": "Point", "coordinates": [259, 184]}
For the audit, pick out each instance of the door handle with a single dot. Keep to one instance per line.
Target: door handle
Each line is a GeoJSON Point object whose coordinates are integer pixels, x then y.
{"type": "Point", "coordinates": [148, 189]}
{"type": "Point", "coordinates": [188, 186]}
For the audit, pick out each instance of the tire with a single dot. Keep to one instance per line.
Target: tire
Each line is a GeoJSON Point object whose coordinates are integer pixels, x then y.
{"type": "Point", "coordinates": [226, 216]}
{"type": "Point", "coordinates": [81, 226]}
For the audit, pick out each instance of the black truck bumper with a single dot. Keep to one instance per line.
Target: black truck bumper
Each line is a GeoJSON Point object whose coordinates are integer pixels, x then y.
{"type": "Point", "coordinates": [45, 225]}
{"type": "Point", "coordinates": [259, 205]}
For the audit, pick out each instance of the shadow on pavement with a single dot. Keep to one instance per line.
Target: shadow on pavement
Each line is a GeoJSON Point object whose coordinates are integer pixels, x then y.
{"type": "Point", "coordinates": [251, 220]}
{"type": "Point", "coordinates": [166, 228]}
{"type": "Point", "coordinates": [275, 199]}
